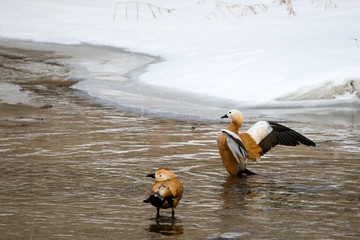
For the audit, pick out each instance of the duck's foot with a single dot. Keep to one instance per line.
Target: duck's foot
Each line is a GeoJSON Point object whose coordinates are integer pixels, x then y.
{"type": "Point", "coordinates": [247, 172]}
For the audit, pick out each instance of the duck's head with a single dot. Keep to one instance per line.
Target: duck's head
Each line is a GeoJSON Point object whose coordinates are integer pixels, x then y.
{"type": "Point", "coordinates": [163, 174]}
{"type": "Point", "coordinates": [235, 115]}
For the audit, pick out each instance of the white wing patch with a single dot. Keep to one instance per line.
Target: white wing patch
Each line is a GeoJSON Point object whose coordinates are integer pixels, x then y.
{"type": "Point", "coordinates": [235, 145]}
{"type": "Point", "coordinates": [259, 131]}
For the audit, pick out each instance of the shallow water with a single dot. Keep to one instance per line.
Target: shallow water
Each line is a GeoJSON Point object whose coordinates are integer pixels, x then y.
{"type": "Point", "coordinates": [74, 169]}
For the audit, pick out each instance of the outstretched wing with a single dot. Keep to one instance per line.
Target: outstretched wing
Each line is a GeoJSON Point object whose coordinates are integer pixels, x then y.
{"type": "Point", "coordinates": [235, 145]}
{"type": "Point", "coordinates": [275, 133]}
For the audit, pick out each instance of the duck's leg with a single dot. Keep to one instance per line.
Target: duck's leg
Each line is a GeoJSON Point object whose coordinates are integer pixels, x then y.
{"type": "Point", "coordinates": [172, 212]}
{"type": "Point", "coordinates": [157, 211]}
{"type": "Point", "coordinates": [247, 172]}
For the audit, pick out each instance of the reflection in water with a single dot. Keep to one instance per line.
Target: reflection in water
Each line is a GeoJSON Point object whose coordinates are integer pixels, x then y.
{"type": "Point", "coordinates": [167, 226]}
{"type": "Point", "coordinates": [235, 190]}
{"type": "Point", "coordinates": [239, 211]}
{"type": "Point", "coordinates": [238, 189]}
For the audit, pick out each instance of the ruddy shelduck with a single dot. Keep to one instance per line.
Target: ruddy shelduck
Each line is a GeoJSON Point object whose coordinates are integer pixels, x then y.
{"type": "Point", "coordinates": [166, 191]}
{"type": "Point", "coordinates": [236, 148]}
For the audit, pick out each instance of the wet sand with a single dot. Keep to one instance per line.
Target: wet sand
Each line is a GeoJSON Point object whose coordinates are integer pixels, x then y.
{"type": "Point", "coordinates": [74, 169]}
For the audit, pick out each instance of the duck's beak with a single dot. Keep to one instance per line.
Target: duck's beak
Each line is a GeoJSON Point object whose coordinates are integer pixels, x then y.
{"type": "Point", "coordinates": [151, 175]}
{"type": "Point", "coordinates": [225, 116]}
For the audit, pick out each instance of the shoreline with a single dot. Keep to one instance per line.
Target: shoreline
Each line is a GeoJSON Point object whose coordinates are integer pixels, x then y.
{"type": "Point", "coordinates": [52, 64]}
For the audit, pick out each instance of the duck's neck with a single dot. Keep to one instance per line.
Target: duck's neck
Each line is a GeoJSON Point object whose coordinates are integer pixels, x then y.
{"type": "Point", "coordinates": [233, 127]}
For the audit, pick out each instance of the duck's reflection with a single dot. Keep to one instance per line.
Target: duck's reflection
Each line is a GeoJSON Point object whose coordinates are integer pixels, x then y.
{"type": "Point", "coordinates": [236, 190]}
{"type": "Point", "coordinates": [168, 226]}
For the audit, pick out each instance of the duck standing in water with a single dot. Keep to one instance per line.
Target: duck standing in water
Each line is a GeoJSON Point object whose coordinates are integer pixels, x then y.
{"type": "Point", "coordinates": [236, 148]}
{"type": "Point", "coordinates": [166, 191]}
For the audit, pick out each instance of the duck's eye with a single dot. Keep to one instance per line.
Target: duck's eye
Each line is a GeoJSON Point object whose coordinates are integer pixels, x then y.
{"type": "Point", "coordinates": [229, 112]}
{"type": "Point", "coordinates": [159, 175]}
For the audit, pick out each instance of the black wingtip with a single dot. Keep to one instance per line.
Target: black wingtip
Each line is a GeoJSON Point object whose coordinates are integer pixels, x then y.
{"type": "Point", "coordinates": [311, 143]}
{"type": "Point", "coordinates": [304, 140]}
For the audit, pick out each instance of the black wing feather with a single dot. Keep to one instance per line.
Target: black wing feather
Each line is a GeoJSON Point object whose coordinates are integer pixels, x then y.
{"type": "Point", "coordinates": [268, 142]}
{"type": "Point", "coordinates": [284, 136]}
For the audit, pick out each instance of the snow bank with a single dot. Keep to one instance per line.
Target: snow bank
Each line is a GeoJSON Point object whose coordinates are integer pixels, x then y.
{"type": "Point", "coordinates": [209, 50]}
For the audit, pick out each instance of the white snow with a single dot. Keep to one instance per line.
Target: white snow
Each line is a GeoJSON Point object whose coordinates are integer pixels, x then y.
{"type": "Point", "coordinates": [255, 58]}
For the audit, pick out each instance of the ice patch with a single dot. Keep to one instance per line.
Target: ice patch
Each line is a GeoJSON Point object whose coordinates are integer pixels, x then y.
{"type": "Point", "coordinates": [12, 94]}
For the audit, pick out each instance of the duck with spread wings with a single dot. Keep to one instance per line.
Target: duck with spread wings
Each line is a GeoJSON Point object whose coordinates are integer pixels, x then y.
{"type": "Point", "coordinates": [236, 148]}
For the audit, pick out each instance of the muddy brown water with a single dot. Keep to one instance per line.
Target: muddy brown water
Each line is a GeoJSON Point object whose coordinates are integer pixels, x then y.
{"type": "Point", "coordinates": [74, 169]}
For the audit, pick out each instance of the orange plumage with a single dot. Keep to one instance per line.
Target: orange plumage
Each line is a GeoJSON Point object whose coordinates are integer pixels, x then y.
{"type": "Point", "coordinates": [251, 146]}
{"type": "Point", "coordinates": [166, 191]}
